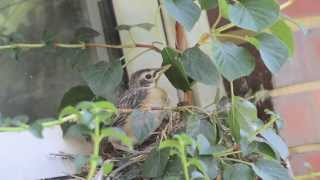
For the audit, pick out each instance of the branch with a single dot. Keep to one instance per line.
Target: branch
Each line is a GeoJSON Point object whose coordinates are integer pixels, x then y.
{"type": "Point", "coordinates": [79, 45]}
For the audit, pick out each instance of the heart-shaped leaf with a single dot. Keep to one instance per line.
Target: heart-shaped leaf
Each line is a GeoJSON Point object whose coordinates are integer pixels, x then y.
{"type": "Point", "coordinates": [185, 12]}
{"type": "Point", "coordinates": [198, 125]}
{"type": "Point", "coordinates": [254, 15]}
{"type": "Point", "coordinates": [273, 51]}
{"type": "Point", "coordinates": [176, 74]}
{"type": "Point", "coordinates": [144, 124]}
{"type": "Point", "coordinates": [276, 142]}
{"type": "Point", "coordinates": [246, 115]}
{"type": "Point", "coordinates": [232, 61]}
{"type": "Point", "coordinates": [199, 66]}
{"type": "Point", "coordinates": [270, 170]}
{"type": "Point", "coordinates": [103, 78]}
{"type": "Point", "coordinates": [156, 162]}
{"type": "Point", "coordinates": [210, 165]}
{"type": "Point", "coordinates": [238, 172]}
{"type": "Point", "coordinates": [281, 30]}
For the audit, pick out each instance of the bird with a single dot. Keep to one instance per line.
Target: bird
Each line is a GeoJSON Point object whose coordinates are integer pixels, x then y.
{"type": "Point", "coordinates": [143, 93]}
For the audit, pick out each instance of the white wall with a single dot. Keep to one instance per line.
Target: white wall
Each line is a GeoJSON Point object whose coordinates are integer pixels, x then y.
{"type": "Point", "coordinates": [25, 157]}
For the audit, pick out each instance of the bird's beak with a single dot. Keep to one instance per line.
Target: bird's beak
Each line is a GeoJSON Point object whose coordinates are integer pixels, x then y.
{"type": "Point", "coordinates": [162, 70]}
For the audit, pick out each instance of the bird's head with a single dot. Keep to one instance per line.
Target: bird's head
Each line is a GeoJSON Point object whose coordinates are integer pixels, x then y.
{"type": "Point", "coordinates": [147, 77]}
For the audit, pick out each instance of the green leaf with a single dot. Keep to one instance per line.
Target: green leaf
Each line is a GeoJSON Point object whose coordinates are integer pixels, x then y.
{"type": "Point", "coordinates": [232, 61]}
{"type": "Point", "coordinates": [273, 51]}
{"type": "Point", "coordinates": [145, 26]}
{"type": "Point", "coordinates": [36, 129]}
{"type": "Point", "coordinates": [210, 165]}
{"type": "Point", "coordinates": [284, 32]}
{"type": "Point", "coordinates": [176, 74]}
{"type": "Point", "coordinates": [224, 8]}
{"type": "Point", "coordinates": [173, 170]}
{"type": "Point", "coordinates": [246, 115]}
{"type": "Point", "coordinates": [155, 164]}
{"type": "Point", "coordinates": [254, 15]}
{"type": "Point", "coordinates": [185, 12]}
{"type": "Point", "coordinates": [103, 78]}
{"type": "Point", "coordinates": [144, 124]}
{"type": "Point", "coordinates": [270, 170]}
{"type": "Point", "coordinates": [198, 125]}
{"type": "Point", "coordinates": [238, 172]}
{"type": "Point", "coordinates": [260, 148]}
{"type": "Point", "coordinates": [77, 130]}
{"type": "Point", "coordinates": [107, 168]}
{"type": "Point", "coordinates": [85, 34]}
{"type": "Point", "coordinates": [169, 143]}
{"type": "Point", "coordinates": [69, 110]}
{"type": "Point", "coordinates": [75, 95]}
{"type": "Point", "coordinates": [105, 106]}
{"type": "Point", "coordinates": [276, 142]}
{"type": "Point", "coordinates": [204, 146]}
{"type": "Point", "coordinates": [199, 66]}
{"type": "Point", "coordinates": [208, 4]}
{"type": "Point", "coordinates": [117, 134]}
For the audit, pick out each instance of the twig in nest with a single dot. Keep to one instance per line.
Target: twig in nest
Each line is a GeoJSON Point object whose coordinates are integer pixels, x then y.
{"type": "Point", "coordinates": [129, 163]}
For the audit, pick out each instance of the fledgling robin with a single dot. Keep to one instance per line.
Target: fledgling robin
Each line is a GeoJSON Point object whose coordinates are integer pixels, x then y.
{"type": "Point", "coordinates": [143, 93]}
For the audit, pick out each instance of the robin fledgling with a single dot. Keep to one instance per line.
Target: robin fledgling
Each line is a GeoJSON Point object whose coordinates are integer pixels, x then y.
{"type": "Point", "coordinates": [143, 93]}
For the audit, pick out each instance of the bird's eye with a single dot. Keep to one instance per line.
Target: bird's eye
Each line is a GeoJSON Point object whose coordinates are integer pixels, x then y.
{"type": "Point", "coordinates": [148, 76]}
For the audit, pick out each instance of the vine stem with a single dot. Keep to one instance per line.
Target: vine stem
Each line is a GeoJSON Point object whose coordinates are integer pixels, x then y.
{"type": "Point", "coordinates": [232, 36]}
{"type": "Point", "coordinates": [184, 162]}
{"type": "Point", "coordinates": [264, 127]}
{"type": "Point", "coordinates": [237, 160]}
{"type": "Point", "coordinates": [70, 118]}
{"type": "Point", "coordinates": [225, 27]}
{"type": "Point", "coordinates": [80, 45]}
{"type": "Point", "coordinates": [96, 146]}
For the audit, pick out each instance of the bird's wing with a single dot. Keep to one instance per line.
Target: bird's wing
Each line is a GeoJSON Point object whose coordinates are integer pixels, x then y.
{"type": "Point", "coordinates": [132, 99]}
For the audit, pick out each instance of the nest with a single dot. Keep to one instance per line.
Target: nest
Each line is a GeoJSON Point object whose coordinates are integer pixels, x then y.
{"type": "Point", "coordinates": [128, 163]}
